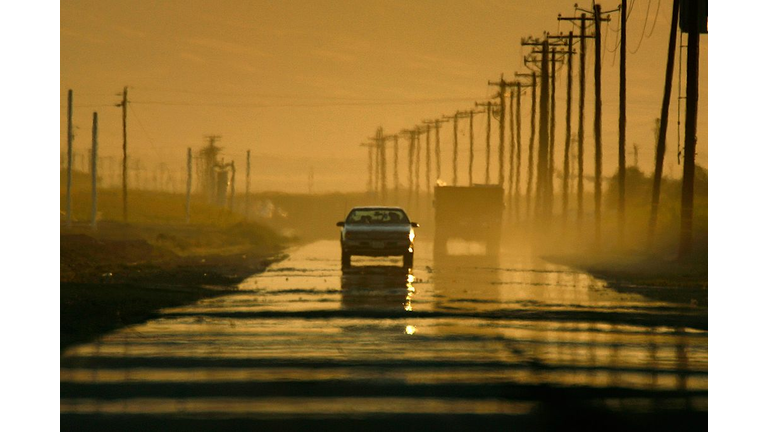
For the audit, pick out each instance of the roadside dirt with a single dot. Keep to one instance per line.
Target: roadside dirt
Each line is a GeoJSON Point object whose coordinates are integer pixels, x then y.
{"type": "Point", "coordinates": [122, 274]}
{"type": "Point", "coordinates": [670, 280]}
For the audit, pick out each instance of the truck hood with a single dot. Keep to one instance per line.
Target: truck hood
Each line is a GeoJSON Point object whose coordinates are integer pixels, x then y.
{"type": "Point", "coordinates": [373, 228]}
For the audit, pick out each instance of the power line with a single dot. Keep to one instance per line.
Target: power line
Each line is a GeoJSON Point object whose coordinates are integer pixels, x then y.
{"type": "Point", "coordinates": [303, 105]}
{"type": "Point", "coordinates": [152, 144]}
{"type": "Point", "coordinates": [274, 95]}
{"type": "Point", "coordinates": [658, 7]}
{"type": "Point", "coordinates": [645, 24]}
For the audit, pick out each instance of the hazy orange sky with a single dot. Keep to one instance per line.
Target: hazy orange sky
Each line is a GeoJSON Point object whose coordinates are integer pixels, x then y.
{"type": "Point", "coordinates": [301, 84]}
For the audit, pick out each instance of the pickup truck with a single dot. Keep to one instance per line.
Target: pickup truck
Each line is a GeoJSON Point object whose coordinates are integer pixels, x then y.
{"type": "Point", "coordinates": [377, 231]}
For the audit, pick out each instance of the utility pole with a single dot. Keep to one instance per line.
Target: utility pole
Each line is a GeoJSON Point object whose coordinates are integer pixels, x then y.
{"type": "Point", "coordinates": [381, 158]}
{"type": "Point", "coordinates": [502, 95]}
{"type": "Point", "coordinates": [428, 155]}
{"type": "Point", "coordinates": [511, 147]}
{"type": "Point", "coordinates": [582, 88]}
{"type": "Point", "coordinates": [377, 174]}
{"type": "Point", "coordinates": [232, 187]}
{"type": "Point", "coordinates": [529, 185]}
{"type": "Point", "coordinates": [455, 118]}
{"type": "Point", "coordinates": [436, 127]}
{"type": "Point", "coordinates": [395, 174]}
{"type": "Point", "coordinates": [661, 138]}
{"type": "Point", "coordinates": [455, 147]}
{"type": "Point", "coordinates": [94, 169]}
{"type": "Point", "coordinates": [552, 115]}
{"type": "Point", "coordinates": [69, 158]}
{"type": "Point", "coordinates": [417, 174]}
{"type": "Point", "coordinates": [124, 105]}
{"type": "Point", "coordinates": [542, 164]}
{"type": "Point", "coordinates": [471, 115]}
{"type": "Point", "coordinates": [622, 121]}
{"type": "Point", "coordinates": [247, 182]}
{"type": "Point", "coordinates": [567, 146]}
{"type": "Point", "coordinates": [598, 130]}
{"type": "Point", "coordinates": [371, 184]}
{"type": "Point", "coordinates": [383, 149]}
{"type": "Point", "coordinates": [488, 110]}
{"type": "Point", "coordinates": [542, 171]}
{"type": "Point", "coordinates": [597, 19]}
{"type": "Point", "coordinates": [472, 146]}
{"type": "Point", "coordinates": [519, 145]}
{"type": "Point", "coordinates": [582, 19]}
{"type": "Point", "coordinates": [411, 134]}
{"type": "Point", "coordinates": [544, 193]}
{"type": "Point", "coordinates": [691, 114]}
{"type": "Point", "coordinates": [189, 183]}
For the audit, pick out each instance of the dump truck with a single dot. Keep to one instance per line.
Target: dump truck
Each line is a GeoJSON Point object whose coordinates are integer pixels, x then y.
{"type": "Point", "coordinates": [470, 213]}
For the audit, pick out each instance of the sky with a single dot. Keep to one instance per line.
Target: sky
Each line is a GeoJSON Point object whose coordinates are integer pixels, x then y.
{"type": "Point", "coordinates": [302, 84]}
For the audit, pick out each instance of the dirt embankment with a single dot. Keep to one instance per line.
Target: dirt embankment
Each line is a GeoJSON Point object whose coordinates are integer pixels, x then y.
{"type": "Point", "coordinates": [123, 274]}
{"type": "Point", "coordinates": [669, 280]}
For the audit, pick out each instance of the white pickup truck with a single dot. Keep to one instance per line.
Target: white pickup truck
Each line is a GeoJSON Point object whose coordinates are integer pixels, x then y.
{"type": "Point", "coordinates": [377, 231]}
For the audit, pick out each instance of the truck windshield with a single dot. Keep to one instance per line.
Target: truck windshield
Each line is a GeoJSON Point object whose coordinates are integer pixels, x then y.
{"type": "Point", "coordinates": [377, 216]}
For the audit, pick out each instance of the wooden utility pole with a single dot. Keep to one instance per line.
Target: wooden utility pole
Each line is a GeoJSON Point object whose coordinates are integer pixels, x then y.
{"type": "Point", "coordinates": [428, 155]}
{"type": "Point", "coordinates": [124, 105]}
{"type": "Point", "coordinates": [232, 187]}
{"type": "Point", "coordinates": [455, 119]}
{"type": "Point", "coordinates": [567, 144]}
{"type": "Point", "coordinates": [471, 115]}
{"type": "Point", "coordinates": [597, 19]}
{"type": "Point", "coordinates": [598, 129]}
{"type": "Point", "coordinates": [622, 121]}
{"type": "Point", "coordinates": [541, 166]}
{"type": "Point", "coordinates": [661, 138]}
{"type": "Point", "coordinates": [371, 182]}
{"type": "Point", "coordinates": [547, 49]}
{"type": "Point", "coordinates": [370, 169]}
{"type": "Point", "coordinates": [189, 183]}
{"type": "Point", "coordinates": [69, 158]}
{"type": "Point", "coordinates": [94, 169]}
{"type": "Point", "coordinates": [691, 114]}
{"type": "Point", "coordinates": [519, 146]}
{"type": "Point", "coordinates": [567, 151]}
{"type": "Point", "coordinates": [582, 19]}
{"type": "Point", "coordinates": [552, 115]}
{"type": "Point", "coordinates": [377, 169]}
{"type": "Point", "coordinates": [436, 127]}
{"type": "Point", "coordinates": [502, 95]}
{"type": "Point", "coordinates": [455, 147]}
{"type": "Point", "coordinates": [472, 146]}
{"type": "Point", "coordinates": [488, 143]}
{"type": "Point", "coordinates": [511, 174]}
{"type": "Point", "coordinates": [247, 182]}
{"type": "Point", "coordinates": [582, 88]}
{"type": "Point", "coordinates": [488, 109]}
{"type": "Point", "coordinates": [395, 174]}
{"type": "Point", "coordinates": [417, 174]}
{"type": "Point", "coordinates": [529, 186]}
{"type": "Point", "coordinates": [411, 134]}
{"type": "Point", "coordinates": [381, 148]}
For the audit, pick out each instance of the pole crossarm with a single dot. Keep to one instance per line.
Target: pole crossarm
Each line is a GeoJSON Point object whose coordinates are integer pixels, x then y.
{"type": "Point", "coordinates": [588, 18]}
{"type": "Point", "coordinates": [435, 123]}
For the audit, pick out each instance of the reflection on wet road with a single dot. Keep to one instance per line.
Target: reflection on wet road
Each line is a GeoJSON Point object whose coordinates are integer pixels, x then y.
{"type": "Point", "coordinates": [463, 338]}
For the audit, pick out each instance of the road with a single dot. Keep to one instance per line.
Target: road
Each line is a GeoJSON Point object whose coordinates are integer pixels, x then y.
{"type": "Point", "coordinates": [462, 343]}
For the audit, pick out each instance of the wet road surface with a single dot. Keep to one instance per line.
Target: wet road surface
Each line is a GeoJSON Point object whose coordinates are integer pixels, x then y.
{"type": "Point", "coordinates": [460, 343]}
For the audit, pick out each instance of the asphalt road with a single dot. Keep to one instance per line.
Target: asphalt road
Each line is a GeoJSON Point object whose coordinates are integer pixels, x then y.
{"type": "Point", "coordinates": [461, 343]}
